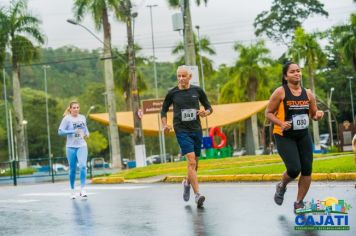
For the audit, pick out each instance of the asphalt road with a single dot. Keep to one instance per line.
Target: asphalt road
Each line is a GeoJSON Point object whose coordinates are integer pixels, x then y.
{"type": "Point", "coordinates": [158, 209]}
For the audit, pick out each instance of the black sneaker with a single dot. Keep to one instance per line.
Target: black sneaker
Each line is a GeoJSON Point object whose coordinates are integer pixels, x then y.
{"type": "Point", "coordinates": [186, 191]}
{"type": "Point", "coordinates": [298, 206]}
{"type": "Point", "coordinates": [279, 195]}
{"type": "Point", "coordinates": [199, 200]}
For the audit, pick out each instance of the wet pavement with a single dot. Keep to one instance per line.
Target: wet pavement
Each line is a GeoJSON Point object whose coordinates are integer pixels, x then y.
{"type": "Point", "coordinates": [158, 209]}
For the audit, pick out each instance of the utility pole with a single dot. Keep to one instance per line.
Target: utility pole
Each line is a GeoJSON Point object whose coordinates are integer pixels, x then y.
{"type": "Point", "coordinates": [189, 49]}
{"type": "Point", "coordinates": [140, 152]}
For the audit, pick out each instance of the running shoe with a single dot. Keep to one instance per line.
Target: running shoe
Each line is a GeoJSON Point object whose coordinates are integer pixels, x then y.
{"type": "Point", "coordinates": [83, 193]}
{"type": "Point", "coordinates": [279, 195]}
{"type": "Point", "coordinates": [72, 194]}
{"type": "Point", "coordinates": [186, 193]}
{"type": "Point", "coordinates": [199, 200]}
{"type": "Point", "coordinates": [298, 206]}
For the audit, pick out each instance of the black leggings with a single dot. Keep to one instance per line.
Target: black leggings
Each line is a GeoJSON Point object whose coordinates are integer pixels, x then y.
{"type": "Point", "coordinates": [297, 154]}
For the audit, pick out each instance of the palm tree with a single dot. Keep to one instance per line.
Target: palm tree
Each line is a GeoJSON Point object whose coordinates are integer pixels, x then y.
{"type": "Point", "coordinates": [250, 74]}
{"type": "Point", "coordinates": [188, 31]}
{"type": "Point", "coordinates": [305, 46]}
{"type": "Point", "coordinates": [3, 37]}
{"type": "Point", "coordinates": [122, 75]}
{"type": "Point", "coordinates": [17, 24]}
{"type": "Point", "coordinates": [99, 10]}
{"type": "Point", "coordinates": [348, 41]}
{"type": "Point", "coordinates": [250, 68]}
{"type": "Point", "coordinates": [205, 48]}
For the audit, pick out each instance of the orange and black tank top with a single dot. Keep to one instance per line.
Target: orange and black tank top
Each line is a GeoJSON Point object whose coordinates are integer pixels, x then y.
{"type": "Point", "coordinates": [293, 109]}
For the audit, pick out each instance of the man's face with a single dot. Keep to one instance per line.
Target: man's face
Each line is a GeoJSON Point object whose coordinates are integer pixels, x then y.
{"type": "Point", "coordinates": [183, 77]}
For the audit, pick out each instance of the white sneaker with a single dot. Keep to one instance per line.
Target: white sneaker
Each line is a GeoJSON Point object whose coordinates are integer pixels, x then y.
{"type": "Point", "coordinates": [83, 193]}
{"type": "Point", "coordinates": [72, 194]}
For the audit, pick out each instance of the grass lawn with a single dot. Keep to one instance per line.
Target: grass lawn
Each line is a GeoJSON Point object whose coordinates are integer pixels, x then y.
{"type": "Point", "coordinates": [267, 164]}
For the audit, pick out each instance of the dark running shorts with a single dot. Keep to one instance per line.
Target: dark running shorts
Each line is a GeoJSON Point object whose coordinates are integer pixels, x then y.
{"type": "Point", "coordinates": [190, 142]}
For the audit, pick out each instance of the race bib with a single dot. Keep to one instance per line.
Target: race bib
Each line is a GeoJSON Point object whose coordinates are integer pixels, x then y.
{"type": "Point", "coordinates": [300, 122]}
{"type": "Point", "coordinates": [189, 114]}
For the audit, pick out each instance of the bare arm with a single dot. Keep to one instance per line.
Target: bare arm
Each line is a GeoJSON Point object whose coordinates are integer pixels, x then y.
{"type": "Point", "coordinates": [272, 107]}
{"type": "Point", "coordinates": [314, 113]}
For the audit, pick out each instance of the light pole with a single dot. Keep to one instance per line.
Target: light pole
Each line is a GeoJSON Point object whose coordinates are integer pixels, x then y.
{"type": "Point", "coordinates": [329, 118]}
{"type": "Point", "coordinates": [24, 123]}
{"type": "Point", "coordinates": [352, 100]}
{"type": "Point", "coordinates": [45, 67]}
{"type": "Point", "coordinates": [89, 110]}
{"type": "Point", "coordinates": [9, 144]}
{"type": "Point", "coordinates": [111, 99]}
{"type": "Point", "coordinates": [161, 134]}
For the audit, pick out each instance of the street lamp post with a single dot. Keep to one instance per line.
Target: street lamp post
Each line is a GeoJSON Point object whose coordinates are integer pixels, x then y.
{"type": "Point", "coordinates": [111, 99]}
{"type": "Point", "coordinates": [24, 122]}
{"type": "Point", "coordinates": [89, 110]}
{"type": "Point", "coordinates": [329, 118]}
{"type": "Point", "coordinates": [352, 100]}
{"type": "Point", "coordinates": [45, 67]}
{"type": "Point", "coordinates": [161, 134]}
{"type": "Point", "coordinates": [9, 144]}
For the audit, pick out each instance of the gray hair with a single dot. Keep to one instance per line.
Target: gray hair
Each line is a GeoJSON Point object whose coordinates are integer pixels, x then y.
{"type": "Point", "coordinates": [185, 67]}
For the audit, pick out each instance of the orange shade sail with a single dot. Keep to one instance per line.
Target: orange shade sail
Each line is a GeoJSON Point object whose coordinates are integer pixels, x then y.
{"type": "Point", "coordinates": [223, 114]}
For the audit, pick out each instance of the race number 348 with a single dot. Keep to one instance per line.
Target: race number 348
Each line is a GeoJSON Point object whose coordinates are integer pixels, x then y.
{"type": "Point", "coordinates": [189, 114]}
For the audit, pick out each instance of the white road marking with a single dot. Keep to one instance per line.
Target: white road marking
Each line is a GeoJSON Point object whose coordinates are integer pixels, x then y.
{"type": "Point", "coordinates": [117, 187]}
{"type": "Point", "coordinates": [18, 201]}
{"type": "Point", "coordinates": [54, 194]}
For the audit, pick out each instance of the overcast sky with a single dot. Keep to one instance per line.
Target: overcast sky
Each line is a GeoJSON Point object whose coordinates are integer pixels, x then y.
{"type": "Point", "coordinates": [223, 21]}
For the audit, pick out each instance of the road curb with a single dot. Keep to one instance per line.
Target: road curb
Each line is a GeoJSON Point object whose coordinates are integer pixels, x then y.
{"type": "Point", "coordinates": [262, 177]}
{"type": "Point", "coordinates": [108, 180]}
{"type": "Point", "coordinates": [228, 178]}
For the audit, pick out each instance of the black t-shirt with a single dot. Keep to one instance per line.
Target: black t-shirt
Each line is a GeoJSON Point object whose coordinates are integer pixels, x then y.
{"type": "Point", "coordinates": [185, 107]}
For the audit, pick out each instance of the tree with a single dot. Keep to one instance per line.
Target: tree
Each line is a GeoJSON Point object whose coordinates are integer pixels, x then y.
{"type": "Point", "coordinates": [305, 46]}
{"type": "Point", "coordinates": [189, 47]}
{"type": "Point", "coordinates": [280, 22]}
{"type": "Point", "coordinates": [348, 40]}
{"type": "Point", "coordinates": [19, 28]}
{"type": "Point", "coordinates": [205, 48]}
{"type": "Point", "coordinates": [249, 82]}
{"type": "Point", "coordinates": [97, 143]}
{"type": "Point", "coordinates": [99, 9]}
{"type": "Point", "coordinates": [122, 75]}
{"type": "Point", "coordinates": [250, 68]}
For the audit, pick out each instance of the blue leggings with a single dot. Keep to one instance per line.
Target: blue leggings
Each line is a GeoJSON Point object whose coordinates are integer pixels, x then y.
{"type": "Point", "coordinates": [79, 155]}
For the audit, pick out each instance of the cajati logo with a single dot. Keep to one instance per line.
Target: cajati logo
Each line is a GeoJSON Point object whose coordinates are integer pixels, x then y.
{"type": "Point", "coordinates": [327, 214]}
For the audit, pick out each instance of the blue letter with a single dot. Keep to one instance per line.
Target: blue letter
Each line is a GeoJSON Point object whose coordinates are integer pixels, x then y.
{"type": "Point", "coordinates": [300, 217]}
{"type": "Point", "coordinates": [329, 220]}
{"type": "Point", "coordinates": [321, 222]}
{"type": "Point", "coordinates": [339, 217]}
{"type": "Point", "coordinates": [310, 221]}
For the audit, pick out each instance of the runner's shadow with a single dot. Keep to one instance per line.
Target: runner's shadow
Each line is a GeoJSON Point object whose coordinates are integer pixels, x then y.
{"type": "Point", "coordinates": [197, 218]}
{"type": "Point", "coordinates": [288, 228]}
{"type": "Point", "coordinates": [83, 216]}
